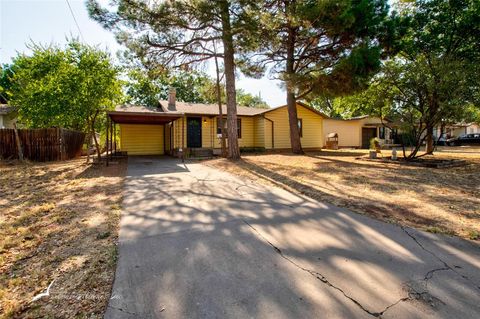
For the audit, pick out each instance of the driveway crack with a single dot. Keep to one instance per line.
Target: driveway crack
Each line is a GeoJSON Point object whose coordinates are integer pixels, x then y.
{"type": "Point", "coordinates": [122, 310]}
{"type": "Point", "coordinates": [446, 265]}
{"type": "Point", "coordinates": [316, 274]}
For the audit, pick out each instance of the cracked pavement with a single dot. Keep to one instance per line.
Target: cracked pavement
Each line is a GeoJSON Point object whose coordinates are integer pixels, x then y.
{"type": "Point", "coordinates": [200, 243]}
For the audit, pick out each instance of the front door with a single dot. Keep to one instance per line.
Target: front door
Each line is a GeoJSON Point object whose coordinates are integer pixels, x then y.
{"type": "Point", "coordinates": [367, 135]}
{"type": "Point", "coordinates": [194, 132]}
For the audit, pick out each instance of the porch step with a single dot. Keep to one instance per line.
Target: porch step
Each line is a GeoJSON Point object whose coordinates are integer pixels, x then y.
{"type": "Point", "coordinates": [201, 152]}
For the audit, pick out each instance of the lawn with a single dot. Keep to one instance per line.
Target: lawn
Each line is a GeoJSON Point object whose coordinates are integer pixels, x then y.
{"type": "Point", "coordinates": [58, 223]}
{"type": "Point", "coordinates": [437, 200]}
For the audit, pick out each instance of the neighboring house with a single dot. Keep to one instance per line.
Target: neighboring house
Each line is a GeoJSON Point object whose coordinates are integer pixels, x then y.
{"type": "Point", "coordinates": [175, 125]}
{"type": "Point", "coordinates": [358, 131]}
{"type": "Point", "coordinates": [455, 130]}
{"type": "Point", "coordinates": [8, 116]}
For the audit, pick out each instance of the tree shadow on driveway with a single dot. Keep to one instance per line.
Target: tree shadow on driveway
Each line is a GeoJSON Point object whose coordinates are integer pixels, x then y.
{"type": "Point", "coordinates": [202, 243]}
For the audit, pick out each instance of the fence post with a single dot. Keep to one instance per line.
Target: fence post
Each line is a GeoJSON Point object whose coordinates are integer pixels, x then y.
{"type": "Point", "coordinates": [19, 144]}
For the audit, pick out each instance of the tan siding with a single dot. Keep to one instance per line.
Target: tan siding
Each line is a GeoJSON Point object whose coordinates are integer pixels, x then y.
{"type": "Point", "coordinates": [349, 132]}
{"type": "Point", "coordinates": [7, 120]}
{"type": "Point", "coordinates": [139, 139]}
{"type": "Point", "coordinates": [312, 128]}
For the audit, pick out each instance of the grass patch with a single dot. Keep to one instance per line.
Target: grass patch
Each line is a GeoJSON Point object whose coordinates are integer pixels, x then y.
{"type": "Point", "coordinates": [445, 201]}
{"type": "Point", "coordinates": [59, 223]}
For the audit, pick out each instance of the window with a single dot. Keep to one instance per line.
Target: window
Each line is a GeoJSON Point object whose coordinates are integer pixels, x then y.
{"type": "Point", "coordinates": [239, 127]}
{"type": "Point", "coordinates": [300, 127]}
{"type": "Point", "coordinates": [381, 132]}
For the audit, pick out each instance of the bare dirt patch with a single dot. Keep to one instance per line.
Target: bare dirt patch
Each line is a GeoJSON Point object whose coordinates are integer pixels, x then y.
{"type": "Point", "coordinates": [58, 223]}
{"type": "Point", "coordinates": [437, 200]}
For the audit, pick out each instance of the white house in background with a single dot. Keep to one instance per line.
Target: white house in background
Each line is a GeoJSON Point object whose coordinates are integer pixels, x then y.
{"type": "Point", "coordinates": [358, 131]}
{"type": "Point", "coordinates": [8, 116]}
{"type": "Point", "coordinates": [455, 130]}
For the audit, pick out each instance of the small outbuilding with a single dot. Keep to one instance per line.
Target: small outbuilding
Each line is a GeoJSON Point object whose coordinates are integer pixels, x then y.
{"type": "Point", "coordinates": [8, 115]}
{"type": "Point", "coordinates": [357, 132]}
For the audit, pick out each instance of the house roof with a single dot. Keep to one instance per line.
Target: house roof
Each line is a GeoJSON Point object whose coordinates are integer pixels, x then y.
{"type": "Point", "coordinates": [210, 109]}
{"type": "Point", "coordinates": [302, 104]}
{"type": "Point", "coordinates": [195, 108]}
{"type": "Point", "coordinates": [5, 109]}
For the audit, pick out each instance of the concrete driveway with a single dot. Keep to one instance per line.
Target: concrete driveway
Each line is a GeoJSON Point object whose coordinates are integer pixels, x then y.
{"type": "Point", "coordinates": [196, 242]}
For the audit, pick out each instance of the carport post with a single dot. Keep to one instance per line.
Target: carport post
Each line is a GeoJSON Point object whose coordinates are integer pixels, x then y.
{"type": "Point", "coordinates": [106, 143]}
{"type": "Point", "coordinates": [111, 138]}
{"type": "Point", "coordinates": [183, 139]}
{"type": "Point", "coordinates": [115, 142]}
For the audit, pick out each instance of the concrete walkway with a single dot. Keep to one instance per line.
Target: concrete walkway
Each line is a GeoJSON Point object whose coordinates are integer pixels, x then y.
{"type": "Point", "coordinates": [199, 243]}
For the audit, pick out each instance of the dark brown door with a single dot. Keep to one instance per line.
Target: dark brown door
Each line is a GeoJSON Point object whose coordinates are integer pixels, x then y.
{"type": "Point", "coordinates": [194, 132]}
{"type": "Point", "coordinates": [367, 135]}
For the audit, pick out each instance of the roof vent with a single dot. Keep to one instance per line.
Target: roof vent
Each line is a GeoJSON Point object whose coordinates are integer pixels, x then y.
{"type": "Point", "coordinates": [172, 96]}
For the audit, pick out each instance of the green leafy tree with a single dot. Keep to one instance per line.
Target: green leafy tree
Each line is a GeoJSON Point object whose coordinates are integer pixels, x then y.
{"type": "Point", "coordinates": [435, 77]}
{"type": "Point", "coordinates": [65, 87]}
{"type": "Point", "coordinates": [183, 33]}
{"type": "Point", "coordinates": [442, 43]}
{"type": "Point", "coordinates": [250, 100]}
{"type": "Point", "coordinates": [147, 88]}
{"type": "Point", "coordinates": [6, 73]}
{"type": "Point", "coordinates": [319, 47]}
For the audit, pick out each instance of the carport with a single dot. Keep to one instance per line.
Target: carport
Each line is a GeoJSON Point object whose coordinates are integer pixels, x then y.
{"type": "Point", "coordinates": [142, 130]}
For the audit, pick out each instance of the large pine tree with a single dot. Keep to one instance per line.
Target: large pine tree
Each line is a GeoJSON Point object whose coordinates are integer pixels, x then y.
{"type": "Point", "coordinates": [319, 47]}
{"type": "Point", "coordinates": [181, 33]}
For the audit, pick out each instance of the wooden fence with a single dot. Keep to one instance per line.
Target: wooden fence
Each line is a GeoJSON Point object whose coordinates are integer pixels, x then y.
{"type": "Point", "coordinates": [42, 145]}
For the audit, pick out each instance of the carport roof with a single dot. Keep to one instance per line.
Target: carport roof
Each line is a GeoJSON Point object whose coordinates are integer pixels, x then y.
{"type": "Point", "coordinates": [135, 114]}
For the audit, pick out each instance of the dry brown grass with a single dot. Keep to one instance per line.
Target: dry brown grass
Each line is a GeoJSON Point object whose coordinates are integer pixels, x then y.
{"type": "Point", "coordinates": [436, 200]}
{"type": "Point", "coordinates": [58, 221]}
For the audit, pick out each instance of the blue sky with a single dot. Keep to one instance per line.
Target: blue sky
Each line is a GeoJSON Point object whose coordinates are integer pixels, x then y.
{"type": "Point", "coordinates": [50, 21]}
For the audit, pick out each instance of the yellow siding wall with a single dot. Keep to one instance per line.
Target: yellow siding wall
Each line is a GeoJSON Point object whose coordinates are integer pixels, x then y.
{"type": "Point", "coordinates": [248, 132]}
{"type": "Point", "coordinates": [268, 134]}
{"type": "Point", "coordinates": [349, 132]}
{"type": "Point", "coordinates": [259, 131]}
{"type": "Point", "coordinates": [208, 131]}
{"type": "Point", "coordinates": [177, 132]}
{"type": "Point", "coordinates": [312, 128]}
{"type": "Point", "coordinates": [140, 139]}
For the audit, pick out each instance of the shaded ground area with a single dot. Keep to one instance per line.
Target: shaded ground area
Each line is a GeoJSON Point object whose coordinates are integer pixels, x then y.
{"type": "Point", "coordinates": [196, 242]}
{"type": "Point", "coordinates": [58, 223]}
{"type": "Point", "coordinates": [436, 200]}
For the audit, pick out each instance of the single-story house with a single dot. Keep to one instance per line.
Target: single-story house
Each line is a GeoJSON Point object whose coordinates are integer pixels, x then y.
{"type": "Point", "coordinates": [8, 116]}
{"type": "Point", "coordinates": [357, 132]}
{"type": "Point", "coordinates": [177, 125]}
{"type": "Point", "coordinates": [455, 130]}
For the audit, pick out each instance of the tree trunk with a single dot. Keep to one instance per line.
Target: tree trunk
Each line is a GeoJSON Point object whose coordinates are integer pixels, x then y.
{"type": "Point", "coordinates": [429, 140]}
{"type": "Point", "coordinates": [291, 99]}
{"type": "Point", "coordinates": [19, 143]}
{"type": "Point", "coordinates": [220, 111]}
{"type": "Point", "coordinates": [92, 131]}
{"type": "Point", "coordinates": [229, 64]}
{"type": "Point", "coordinates": [89, 144]}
